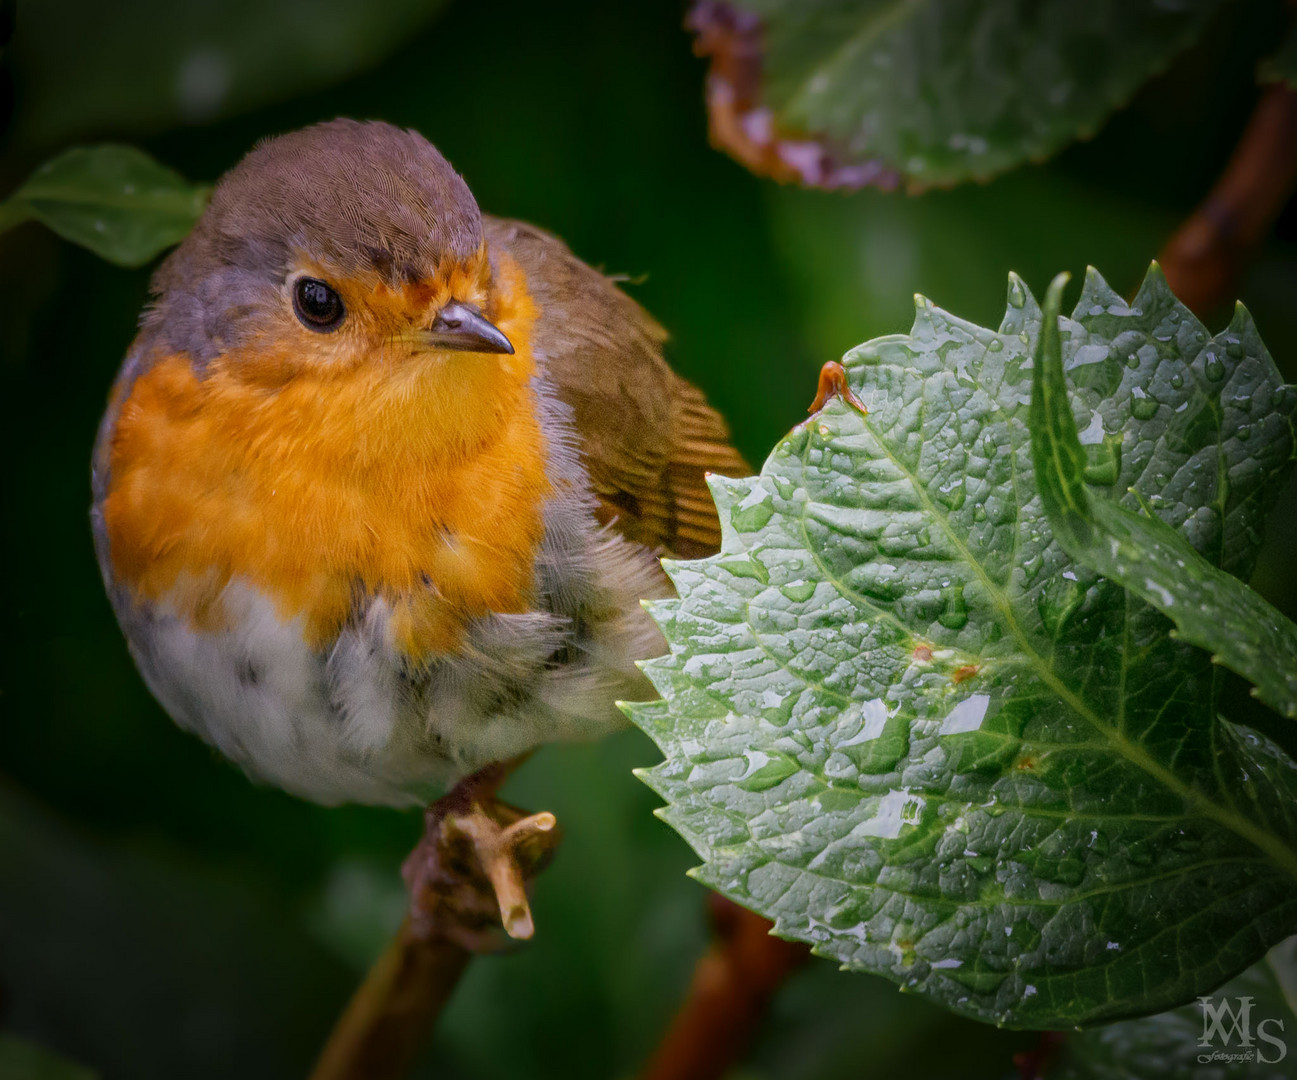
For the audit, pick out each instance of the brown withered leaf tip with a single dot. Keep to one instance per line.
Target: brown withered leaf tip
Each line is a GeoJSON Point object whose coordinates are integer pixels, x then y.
{"type": "Point", "coordinates": [833, 383]}
{"type": "Point", "coordinates": [741, 125]}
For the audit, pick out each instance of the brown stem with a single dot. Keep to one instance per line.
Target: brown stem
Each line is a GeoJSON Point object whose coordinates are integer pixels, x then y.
{"type": "Point", "coordinates": [1205, 258]}
{"type": "Point", "coordinates": [387, 1018]}
{"type": "Point", "coordinates": [731, 989]}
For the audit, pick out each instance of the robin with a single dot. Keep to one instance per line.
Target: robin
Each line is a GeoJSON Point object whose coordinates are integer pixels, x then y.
{"type": "Point", "coordinates": [383, 480]}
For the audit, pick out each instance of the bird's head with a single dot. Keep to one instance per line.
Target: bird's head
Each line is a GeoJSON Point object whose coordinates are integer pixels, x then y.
{"type": "Point", "coordinates": [338, 245]}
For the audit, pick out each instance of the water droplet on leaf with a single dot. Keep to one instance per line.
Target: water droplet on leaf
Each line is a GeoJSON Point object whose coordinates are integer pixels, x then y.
{"type": "Point", "coordinates": [1142, 407]}
{"type": "Point", "coordinates": [798, 590]}
{"type": "Point", "coordinates": [753, 512]}
{"type": "Point", "coordinates": [954, 610]}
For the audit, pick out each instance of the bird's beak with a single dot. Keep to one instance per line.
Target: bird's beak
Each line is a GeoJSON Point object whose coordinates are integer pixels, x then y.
{"type": "Point", "coordinates": [462, 326]}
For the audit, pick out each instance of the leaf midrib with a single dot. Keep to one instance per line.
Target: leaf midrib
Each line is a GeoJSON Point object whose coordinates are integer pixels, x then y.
{"type": "Point", "coordinates": [157, 201]}
{"type": "Point", "coordinates": [1262, 839]}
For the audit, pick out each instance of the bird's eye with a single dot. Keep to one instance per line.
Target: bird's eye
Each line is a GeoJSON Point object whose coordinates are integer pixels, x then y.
{"type": "Point", "coordinates": [317, 305]}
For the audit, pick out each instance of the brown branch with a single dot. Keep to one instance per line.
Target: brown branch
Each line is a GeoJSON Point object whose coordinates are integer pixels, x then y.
{"type": "Point", "coordinates": [1205, 258]}
{"type": "Point", "coordinates": [387, 1018]}
{"type": "Point", "coordinates": [468, 879]}
{"type": "Point", "coordinates": [731, 989]}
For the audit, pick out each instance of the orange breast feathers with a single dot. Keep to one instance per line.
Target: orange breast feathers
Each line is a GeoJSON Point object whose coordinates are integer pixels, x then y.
{"type": "Point", "coordinates": [419, 480]}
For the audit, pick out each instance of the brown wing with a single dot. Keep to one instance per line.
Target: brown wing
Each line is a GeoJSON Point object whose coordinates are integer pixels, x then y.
{"type": "Point", "coordinates": [647, 436]}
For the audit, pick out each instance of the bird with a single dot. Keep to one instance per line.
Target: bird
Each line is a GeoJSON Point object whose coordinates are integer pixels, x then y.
{"type": "Point", "coordinates": [383, 480]}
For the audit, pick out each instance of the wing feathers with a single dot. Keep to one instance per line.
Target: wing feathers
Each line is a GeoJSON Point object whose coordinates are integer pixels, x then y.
{"type": "Point", "coordinates": [647, 437]}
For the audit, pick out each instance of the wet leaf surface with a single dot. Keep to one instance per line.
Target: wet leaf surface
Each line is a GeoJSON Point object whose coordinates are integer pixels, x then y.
{"type": "Point", "coordinates": [1210, 608]}
{"type": "Point", "coordinates": [902, 722]}
{"type": "Point", "coordinates": [1169, 1046]}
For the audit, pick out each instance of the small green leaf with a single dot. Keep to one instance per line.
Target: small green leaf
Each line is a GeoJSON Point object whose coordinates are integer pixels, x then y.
{"type": "Point", "coordinates": [1245, 1030]}
{"type": "Point", "coordinates": [1013, 792]}
{"type": "Point", "coordinates": [843, 95]}
{"type": "Point", "coordinates": [22, 1060]}
{"type": "Point", "coordinates": [115, 200]}
{"type": "Point", "coordinates": [1210, 608]}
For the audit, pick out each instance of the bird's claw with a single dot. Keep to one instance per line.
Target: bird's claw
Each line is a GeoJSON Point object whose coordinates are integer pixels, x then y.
{"type": "Point", "coordinates": [468, 876]}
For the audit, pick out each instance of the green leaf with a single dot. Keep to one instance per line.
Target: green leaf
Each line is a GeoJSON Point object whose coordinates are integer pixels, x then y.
{"type": "Point", "coordinates": [1169, 1046]}
{"type": "Point", "coordinates": [835, 94]}
{"type": "Point", "coordinates": [115, 200]}
{"type": "Point", "coordinates": [1282, 66]}
{"type": "Point", "coordinates": [1210, 608]}
{"type": "Point", "coordinates": [22, 1060]}
{"type": "Point", "coordinates": [1009, 788]}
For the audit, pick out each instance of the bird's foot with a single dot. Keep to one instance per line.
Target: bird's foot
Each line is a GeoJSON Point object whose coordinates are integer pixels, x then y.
{"type": "Point", "coordinates": [468, 875]}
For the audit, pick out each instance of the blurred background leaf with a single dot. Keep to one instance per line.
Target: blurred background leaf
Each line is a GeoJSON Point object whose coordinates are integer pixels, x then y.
{"type": "Point", "coordinates": [839, 94]}
{"type": "Point", "coordinates": [147, 65]}
{"type": "Point", "coordinates": [1282, 66]}
{"type": "Point", "coordinates": [21, 1060]}
{"type": "Point", "coordinates": [115, 200]}
{"type": "Point", "coordinates": [585, 118]}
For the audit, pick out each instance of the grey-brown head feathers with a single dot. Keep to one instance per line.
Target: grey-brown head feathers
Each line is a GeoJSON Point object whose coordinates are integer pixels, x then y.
{"type": "Point", "coordinates": [361, 198]}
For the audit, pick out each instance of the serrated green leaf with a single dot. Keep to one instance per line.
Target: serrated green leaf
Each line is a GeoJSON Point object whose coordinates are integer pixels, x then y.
{"type": "Point", "coordinates": [850, 94]}
{"type": "Point", "coordinates": [1256, 1036]}
{"type": "Point", "coordinates": [1209, 607]}
{"type": "Point", "coordinates": [115, 200]}
{"type": "Point", "coordinates": [1013, 793]}
{"type": "Point", "coordinates": [1282, 66]}
{"type": "Point", "coordinates": [22, 1060]}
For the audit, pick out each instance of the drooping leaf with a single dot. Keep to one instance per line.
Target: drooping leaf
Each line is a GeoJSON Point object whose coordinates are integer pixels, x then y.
{"type": "Point", "coordinates": [115, 200]}
{"type": "Point", "coordinates": [1245, 1030]}
{"type": "Point", "coordinates": [900, 721]}
{"type": "Point", "coordinates": [840, 95]}
{"type": "Point", "coordinates": [1210, 608]}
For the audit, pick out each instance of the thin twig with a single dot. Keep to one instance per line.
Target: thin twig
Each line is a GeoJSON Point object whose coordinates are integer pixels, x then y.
{"type": "Point", "coordinates": [731, 990]}
{"type": "Point", "coordinates": [1205, 258]}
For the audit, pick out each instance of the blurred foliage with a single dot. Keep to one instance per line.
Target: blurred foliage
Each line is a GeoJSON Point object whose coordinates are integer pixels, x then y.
{"type": "Point", "coordinates": [161, 916]}
{"type": "Point", "coordinates": [115, 200]}
{"type": "Point", "coordinates": [1282, 66]}
{"type": "Point", "coordinates": [21, 1060]}
{"type": "Point", "coordinates": [840, 95]}
{"type": "Point", "coordinates": [147, 65]}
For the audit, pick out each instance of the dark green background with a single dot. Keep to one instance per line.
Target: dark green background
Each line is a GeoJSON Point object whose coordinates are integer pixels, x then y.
{"type": "Point", "coordinates": [159, 915]}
